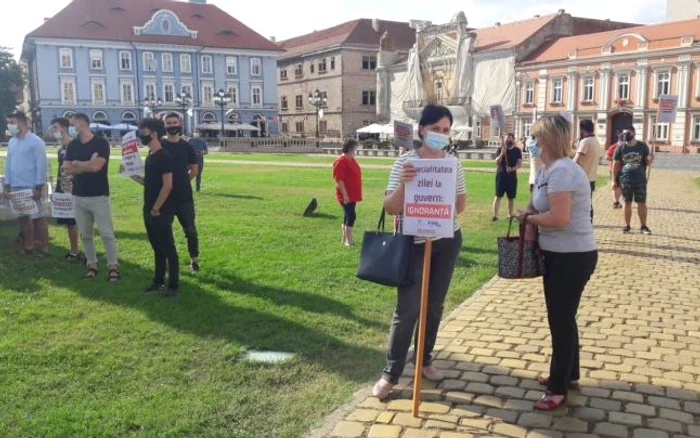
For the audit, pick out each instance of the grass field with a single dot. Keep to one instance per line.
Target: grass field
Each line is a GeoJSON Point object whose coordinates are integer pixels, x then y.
{"type": "Point", "coordinates": [85, 358]}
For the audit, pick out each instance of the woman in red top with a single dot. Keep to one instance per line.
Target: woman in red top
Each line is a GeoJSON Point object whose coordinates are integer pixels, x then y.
{"type": "Point", "coordinates": [348, 179]}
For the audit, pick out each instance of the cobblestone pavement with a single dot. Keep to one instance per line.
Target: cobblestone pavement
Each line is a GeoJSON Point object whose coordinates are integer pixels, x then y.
{"type": "Point", "coordinates": [640, 344]}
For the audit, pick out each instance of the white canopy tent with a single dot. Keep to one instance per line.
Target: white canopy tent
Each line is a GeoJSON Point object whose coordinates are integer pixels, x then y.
{"type": "Point", "coordinates": [125, 127]}
{"type": "Point", "coordinates": [100, 126]}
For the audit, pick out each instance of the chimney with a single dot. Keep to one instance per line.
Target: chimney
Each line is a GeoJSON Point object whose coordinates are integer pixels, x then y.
{"type": "Point", "coordinates": [375, 25]}
{"type": "Point", "coordinates": [273, 39]}
{"type": "Point", "coordinates": [561, 12]}
{"type": "Point", "coordinates": [498, 24]}
{"type": "Point", "coordinates": [537, 16]}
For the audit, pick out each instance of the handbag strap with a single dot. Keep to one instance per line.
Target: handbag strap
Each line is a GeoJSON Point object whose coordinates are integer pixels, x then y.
{"type": "Point", "coordinates": [382, 221]}
{"type": "Point", "coordinates": [510, 225]}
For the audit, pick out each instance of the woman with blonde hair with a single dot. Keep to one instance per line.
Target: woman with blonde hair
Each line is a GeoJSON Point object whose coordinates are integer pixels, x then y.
{"type": "Point", "coordinates": [560, 208]}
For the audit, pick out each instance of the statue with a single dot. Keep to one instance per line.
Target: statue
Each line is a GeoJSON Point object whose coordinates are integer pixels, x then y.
{"type": "Point", "coordinates": [387, 43]}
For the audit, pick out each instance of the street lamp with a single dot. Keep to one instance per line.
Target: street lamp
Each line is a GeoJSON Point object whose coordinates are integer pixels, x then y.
{"type": "Point", "coordinates": [152, 103]}
{"type": "Point", "coordinates": [222, 99]}
{"type": "Point", "coordinates": [319, 100]}
{"type": "Point", "coordinates": [184, 101]}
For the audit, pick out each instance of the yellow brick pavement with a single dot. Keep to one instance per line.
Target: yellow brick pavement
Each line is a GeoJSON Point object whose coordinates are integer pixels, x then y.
{"type": "Point", "coordinates": [640, 344]}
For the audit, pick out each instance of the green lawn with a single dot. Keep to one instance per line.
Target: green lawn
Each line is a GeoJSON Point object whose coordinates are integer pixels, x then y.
{"type": "Point", "coordinates": [85, 358]}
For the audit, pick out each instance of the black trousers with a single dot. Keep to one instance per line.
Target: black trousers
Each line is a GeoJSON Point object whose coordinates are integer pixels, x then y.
{"type": "Point", "coordinates": [350, 214]}
{"type": "Point", "coordinates": [444, 259]}
{"type": "Point", "coordinates": [565, 278]}
{"type": "Point", "coordinates": [186, 216]}
{"type": "Point", "coordinates": [200, 163]}
{"type": "Point", "coordinates": [160, 234]}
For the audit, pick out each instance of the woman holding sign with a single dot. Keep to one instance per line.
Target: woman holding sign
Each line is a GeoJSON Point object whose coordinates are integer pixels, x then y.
{"type": "Point", "coordinates": [560, 208]}
{"type": "Point", "coordinates": [433, 129]}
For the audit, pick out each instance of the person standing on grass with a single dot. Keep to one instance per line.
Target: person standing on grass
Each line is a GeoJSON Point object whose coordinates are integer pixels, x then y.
{"type": "Point", "coordinates": [615, 185]}
{"type": "Point", "coordinates": [560, 209]}
{"type": "Point", "coordinates": [509, 160]}
{"type": "Point", "coordinates": [159, 207]}
{"type": "Point", "coordinates": [348, 179]}
{"type": "Point", "coordinates": [25, 169]}
{"type": "Point", "coordinates": [588, 154]}
{"type": "Point", "coordinates": [185, 169]}
{"type": "Point", "coordinates": [632, 158]}
{"type": "Point", "coordinates": [61, 130]}
{"type": "Point", "coordinates": [201, 148]}
{"type": "Point", "coordinates": [87, 160]}
{"type": "Point", "coordinates": [434, 130]}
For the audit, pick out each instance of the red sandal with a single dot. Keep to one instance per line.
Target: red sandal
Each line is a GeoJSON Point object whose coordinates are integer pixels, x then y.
{"type": "Point", "coordinates": [573, 385]}
{"type": "Point", "coordinates": [547, 403]}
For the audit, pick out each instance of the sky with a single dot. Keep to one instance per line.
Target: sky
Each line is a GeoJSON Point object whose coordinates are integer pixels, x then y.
{"type": "Point", "coordinates": [288, 18]}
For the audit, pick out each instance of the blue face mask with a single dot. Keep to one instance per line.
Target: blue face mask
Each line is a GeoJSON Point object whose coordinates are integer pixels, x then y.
{"type": "Point", "coordinates": [14, 129]}
{"type": "Point", "coordinates": [72, 131]}
{"type": "Point", "coordinates": [435, 141]}
{"type": "Point", "coordinates": [534, 148]}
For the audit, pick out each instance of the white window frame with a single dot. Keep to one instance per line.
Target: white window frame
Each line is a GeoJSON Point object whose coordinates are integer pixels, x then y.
{"type": "Point", "coordinates": [332, 63]}
{"type": "Point", "coordinates": [655, 128]}
{"type": "Point", "coordinates": [126, 58]}
{"type": "Point", "coordinates": [298, 71]}
{"type": "Point", "coordinates": [369, 98]}
{"type": "Point", "coordinates": [168, 67]}
{"type": "Point", "coordinates": [284, 103]}
{"type": "Point", "coordinates": [618, 94]}
{"type": "Point", "coordinates": [527, 127]}
{"type": "Point", "coordinates": [285, 76]}
{"type": "Point", "coordinates": [210, 63]}
{"type": "Point", "coordinates": [146, 86]}
{"type": "Point", "coordinates": [68, 53]}
{"type": "Point", "coordinates": [124, 100]}
{"type": "Point", "coordinates": [560, 89]}
{"type": "Point", "coordinates": [231, 66]}
{"type": "Point", "coordinates": [297, 100]}
{"type": "Point", "coordinates": [165, 94]}
{"type": "Point", "coordinates": [93, 95]}
{"type": "Point", "coordinates": [696, 128]}
{"type": "Point", "coordinates": [258, 87]}
{"type": "Point", "coordinates": [529, 93]}
{"type": "Point", "coordinates": [657, 89]}
{"type": "Point", "coordinates": [97, 59]}
{"type": "Point", "coordinates": [296, 126]}
{"type": "Point", "coordinates": [371, 59]}
{"type": "Point", "coordinates": [186, 88]}
{"type": "Point", "coordinates": [253, 63]}
{"type": "Point", "coordinates": [183, 63]}
{"type": "Point", "coordinates": [152, 58]}
{"type": "Point", "coordinates": [235, 92]}
{"type": "Point", "coordinates": [204, 86]}
{"type": "Point", "coordinates": [588, 89]}
{"type": "Point", "coordinates": [72, 82]}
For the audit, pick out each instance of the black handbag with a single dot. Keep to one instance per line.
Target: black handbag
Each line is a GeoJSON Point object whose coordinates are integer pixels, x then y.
{"type": "Point", "coordinates": [386, 257]}
{"type": "Point", "coordinates": [517, 258]}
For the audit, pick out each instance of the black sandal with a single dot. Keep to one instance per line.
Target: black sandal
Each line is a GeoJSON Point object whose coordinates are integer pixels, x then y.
{"type": "Point", "coordinates": [113, 276]}
{"type": "Point", "coordinates": [91, 273]}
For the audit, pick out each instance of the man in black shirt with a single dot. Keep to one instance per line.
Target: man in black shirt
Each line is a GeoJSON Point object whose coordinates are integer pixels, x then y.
{"type": "Point", "coordinates": [87, 159]}
{"type": "Point", "coordinates": [159, 207]}
{"type": "Point", "coordinates": [510, 159]}
{"type": "Point", "coordinates": [64, 183]}
{"type": "Point", "coordinates": [185, 168]}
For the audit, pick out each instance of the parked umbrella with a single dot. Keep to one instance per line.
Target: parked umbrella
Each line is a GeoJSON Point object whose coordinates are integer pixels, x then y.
{"type": "Point", "coordinates": [99, 127]}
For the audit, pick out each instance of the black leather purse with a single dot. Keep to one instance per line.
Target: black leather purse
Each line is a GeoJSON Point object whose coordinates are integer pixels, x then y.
{"type": "Point", "coordinates": [386, 257]}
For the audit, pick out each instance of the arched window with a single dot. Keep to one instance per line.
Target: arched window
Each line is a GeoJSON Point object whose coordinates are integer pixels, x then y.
{"type": "Point", "coordinates": [68, 114]}
{"type": "Point", "coordinates": [100, 116]}
{"type": "Point", "coordinates": [128, 116]}
{"type": "Point", "coordinates": [208, 117]}
{"type": "Point", "coordinates": [233, 118]}
{"type": "Point", "coordinates": [165, 25]}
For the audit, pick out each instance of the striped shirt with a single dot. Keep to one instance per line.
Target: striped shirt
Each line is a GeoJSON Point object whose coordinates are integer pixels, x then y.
{"type": "Point", "coordinates": [395, 180]}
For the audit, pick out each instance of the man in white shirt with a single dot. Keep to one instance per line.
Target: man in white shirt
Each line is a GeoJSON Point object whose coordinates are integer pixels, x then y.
{"type": "Point", "coordinates": [588, 154]}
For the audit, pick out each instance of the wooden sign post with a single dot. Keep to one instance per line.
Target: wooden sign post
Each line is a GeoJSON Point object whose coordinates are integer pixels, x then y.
{"type": "Point", "coordinates": [429, 213]}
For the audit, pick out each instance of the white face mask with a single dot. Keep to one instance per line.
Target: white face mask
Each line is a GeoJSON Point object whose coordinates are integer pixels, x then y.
{"type": "Point", "coordinates": [14, 129]}
{"type": "Point", "coordinates": [57, 135]}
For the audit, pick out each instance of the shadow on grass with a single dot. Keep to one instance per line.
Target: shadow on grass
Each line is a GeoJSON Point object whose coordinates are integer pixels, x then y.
{"type": "Point", "coordinates": [234, 196]}
{"type": "Point", "coordinates": [323, 216]}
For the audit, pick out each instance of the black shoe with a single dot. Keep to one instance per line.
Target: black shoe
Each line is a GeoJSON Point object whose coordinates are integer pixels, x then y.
{"type": "Point", "coordinates": [646, 231]}
{"type": "Point", "coordinates": [194, 267]}
{"type": "Point", "coordinates": [617, 205]}
{"type": "Point", "coordinates": [72, 257]}
{"type": "Point", "coordinates": [154, 287]}
{"type": "Point", "coordinates": [494, 219]}
{"type": "Point", "coordinates": [171, 293]}
{"type": "Point", "coordinates": [627, 229]}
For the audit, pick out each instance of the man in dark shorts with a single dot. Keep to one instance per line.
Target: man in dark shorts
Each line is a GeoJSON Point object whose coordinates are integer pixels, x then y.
{"type": "Point", "coordinates": [185, 169]}
{"type": "Point", "coordinates": [60, 128]}
{"type": "Point", "coordinates": [510, 159]}
{"type": "Point", "coordinates": [632, 158]}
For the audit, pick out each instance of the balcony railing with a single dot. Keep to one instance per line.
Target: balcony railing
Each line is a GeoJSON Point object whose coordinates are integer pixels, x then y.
{"type": "Point", "coordinates": [447, 101]}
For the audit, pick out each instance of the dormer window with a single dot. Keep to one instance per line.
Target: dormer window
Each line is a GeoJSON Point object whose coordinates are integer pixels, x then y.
{"type": "Point", "coordinates": [165, 25]}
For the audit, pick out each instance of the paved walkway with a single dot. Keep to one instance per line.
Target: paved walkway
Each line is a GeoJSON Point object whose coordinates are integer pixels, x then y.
{"type": "Point", "coordinates": [640, 335]}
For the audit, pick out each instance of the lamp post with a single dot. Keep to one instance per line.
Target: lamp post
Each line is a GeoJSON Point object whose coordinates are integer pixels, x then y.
{"type": "Point", "coordinates": [319, 100]}
{"type": "Point", "coordinates": [152, 103]}
{"type": "Point", "coordinates": [222, 99]}
{"type": "Point", "coordinates": [184, 101]}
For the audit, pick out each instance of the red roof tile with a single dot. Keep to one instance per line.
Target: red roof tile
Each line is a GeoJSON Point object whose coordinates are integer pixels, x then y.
{"type": "Point", "coordinates": [359, 32]}
{"type": "Point", "coordinates": [591, 45]}
{"type": "Point", "coordinates": [113, 20]}
{"type": "Point", "coordinates": [511, 34]}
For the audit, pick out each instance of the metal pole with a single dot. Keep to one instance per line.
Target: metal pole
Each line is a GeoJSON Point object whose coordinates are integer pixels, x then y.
{"type": "Point", "coordinates": [317, 120]}
{"type": "Point", "coordinates": [222, 121]}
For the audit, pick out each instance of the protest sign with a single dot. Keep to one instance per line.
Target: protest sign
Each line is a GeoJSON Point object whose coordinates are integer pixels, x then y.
{"type": "Point", "coordinates": [430, 199]}
{"type": "Point", "coordinates": [132, 164]}
{"type": "Point", "coordinates": [62, 206]}
{"type": "Point", "coordinates": [403, 135]}
{"type": "Point", "coordinates": [498, 119]}
{"type": "Point", "coordinates": [668, 105]}
{"type": "Point", "coordinates": [22, 204]}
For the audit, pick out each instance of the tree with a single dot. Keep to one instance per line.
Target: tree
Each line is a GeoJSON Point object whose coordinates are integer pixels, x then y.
{"type": "Point", "coordinates": [11, 85]}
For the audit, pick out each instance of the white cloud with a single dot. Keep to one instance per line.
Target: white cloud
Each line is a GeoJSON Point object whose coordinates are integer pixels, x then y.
{"type": "Point", "coordinates": [285, 18]}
